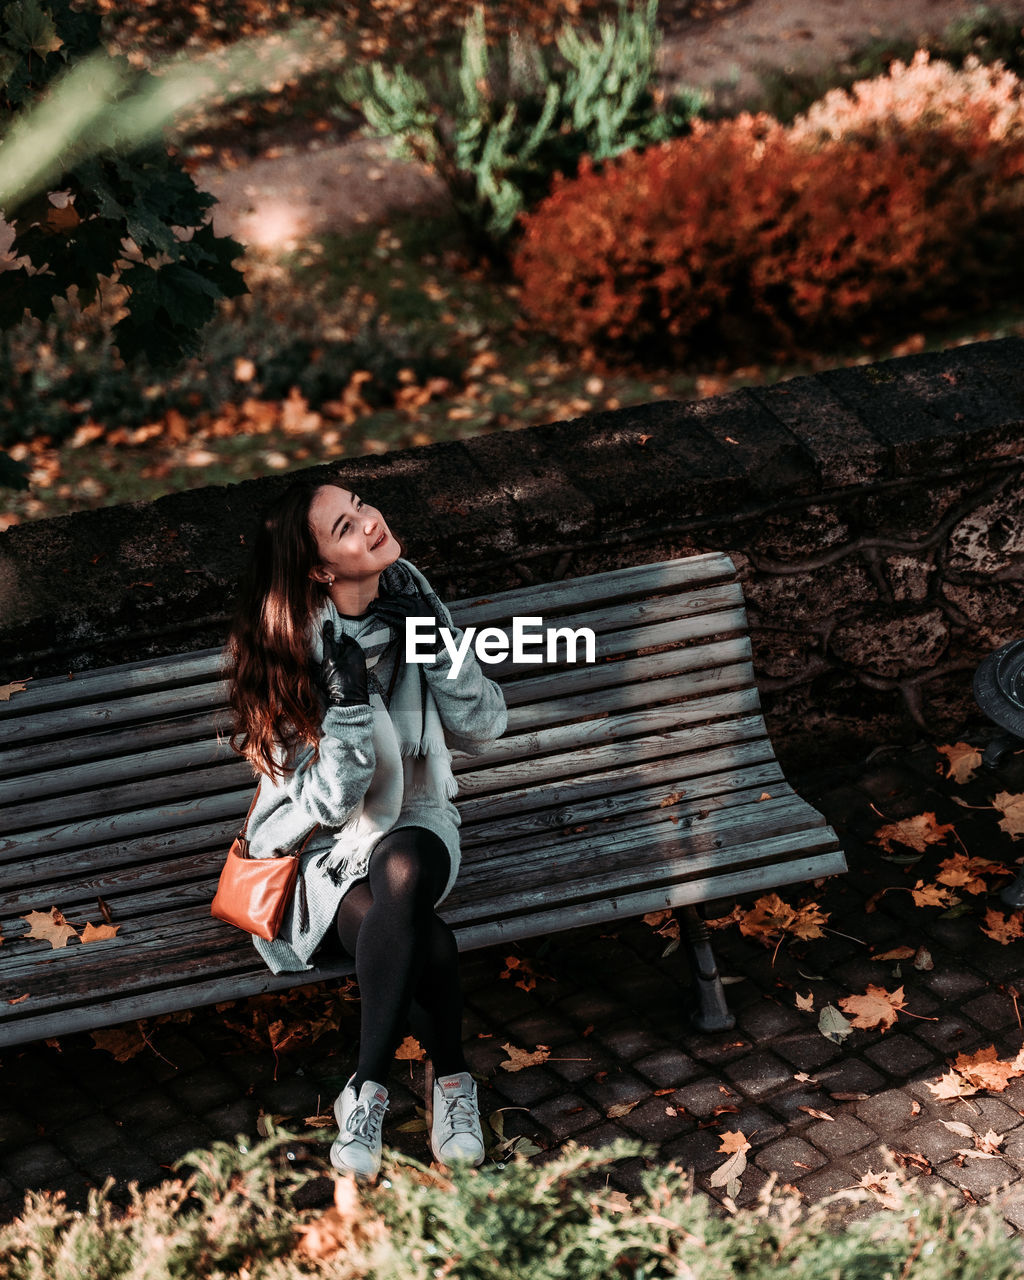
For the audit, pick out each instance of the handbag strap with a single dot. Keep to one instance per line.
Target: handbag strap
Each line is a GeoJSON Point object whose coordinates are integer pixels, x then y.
{"type": "Point", "coordinates": [252, 806]}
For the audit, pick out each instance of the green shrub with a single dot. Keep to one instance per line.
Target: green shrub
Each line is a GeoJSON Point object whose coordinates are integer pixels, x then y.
{"type": "Point", "coordinates": [236, 1214]}
{"type": "Point", "coordinates": [497, 133]}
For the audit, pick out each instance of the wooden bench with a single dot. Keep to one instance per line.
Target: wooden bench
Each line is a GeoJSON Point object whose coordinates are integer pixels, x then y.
{"type": "Point", "coordinates": [642, 781]}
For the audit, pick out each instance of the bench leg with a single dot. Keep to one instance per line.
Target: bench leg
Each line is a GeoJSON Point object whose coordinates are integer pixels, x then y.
{"type": "Point", "coordinates": [712, 1013]}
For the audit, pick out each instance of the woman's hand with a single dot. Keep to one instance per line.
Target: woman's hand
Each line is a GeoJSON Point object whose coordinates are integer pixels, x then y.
{"type": "Point", "coordinates": [342, 672]}
{"type": "Point", "coordinates": [396, 608]}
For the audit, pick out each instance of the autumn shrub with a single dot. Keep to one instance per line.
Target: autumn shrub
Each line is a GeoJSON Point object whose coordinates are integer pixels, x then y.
{"type": "Point", "coordinates": [235, 1214]}
{"type": "Point", "coordinates": [499, 125]}
{"type": "Point", "coordinates": [902, 196]}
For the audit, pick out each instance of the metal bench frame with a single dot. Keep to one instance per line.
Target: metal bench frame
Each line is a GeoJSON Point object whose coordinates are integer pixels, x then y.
{"type": "Point", "coordinates": [642, 781]}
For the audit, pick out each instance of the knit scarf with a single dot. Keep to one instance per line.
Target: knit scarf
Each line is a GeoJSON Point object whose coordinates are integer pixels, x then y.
{"type": "Point", "coordinates": [413, 710]}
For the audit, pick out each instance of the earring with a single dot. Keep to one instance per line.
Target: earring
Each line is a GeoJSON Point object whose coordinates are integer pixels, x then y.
{"type": "Point", "coordinates": [330, 582]}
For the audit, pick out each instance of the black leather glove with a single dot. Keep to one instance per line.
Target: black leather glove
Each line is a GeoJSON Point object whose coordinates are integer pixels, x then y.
{"type": "Point", "coordinates": [342, 673]}
{"type": "Point", "coordinates": [395, 608]}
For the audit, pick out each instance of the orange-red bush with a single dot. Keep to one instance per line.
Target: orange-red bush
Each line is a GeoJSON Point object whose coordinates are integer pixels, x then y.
{"type": "Point", "coordinates": [904, 193]}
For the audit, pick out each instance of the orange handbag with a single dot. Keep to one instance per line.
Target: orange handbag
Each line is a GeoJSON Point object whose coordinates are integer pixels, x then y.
{"type": "Point", "coordinates": [253, 893]}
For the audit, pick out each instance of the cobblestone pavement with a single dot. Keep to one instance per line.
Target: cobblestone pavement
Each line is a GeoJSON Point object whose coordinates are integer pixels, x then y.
{"type": "Point", "coordinates": [611, 1010]}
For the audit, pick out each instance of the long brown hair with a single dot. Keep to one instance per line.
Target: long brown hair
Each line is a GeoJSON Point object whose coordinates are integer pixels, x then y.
{"type": "Point", "coordinates": [272, 691]}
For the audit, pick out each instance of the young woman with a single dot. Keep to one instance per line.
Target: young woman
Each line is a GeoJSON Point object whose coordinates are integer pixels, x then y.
{"type": "Point", "coordinates": [351, 745]}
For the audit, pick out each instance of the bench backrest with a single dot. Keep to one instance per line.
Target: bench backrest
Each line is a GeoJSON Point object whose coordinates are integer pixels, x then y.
{"type": "Point", "coordinates": [643, 779]}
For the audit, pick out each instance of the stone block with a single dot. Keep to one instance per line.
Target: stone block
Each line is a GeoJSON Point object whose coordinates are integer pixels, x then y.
{"type": "Point", "coordinates": [990, 538]}
{"type": "Point", "coordinates": [901, 1055]}
{"type": "Point", "coordinates": [979, 1177]}
{"type": "Point", "coordinates": [667, 1068]}
{"type": "Point", "coordinates": [790, 1158]}
{"type": "Point", "coordinates": [758, 1074]}
{"type": "Point", "coordinates": [845, 450]}
{"type": "Point", "coordinates": [565, 1116]}
{"type": "Point", "coordinates": [841, 1136]}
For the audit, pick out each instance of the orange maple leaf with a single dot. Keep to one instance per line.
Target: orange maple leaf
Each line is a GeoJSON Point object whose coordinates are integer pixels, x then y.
{"type": "Point", "coordinates": [1012, 808]}
{"type": "Point", "coordinates": [770, 918]}
{"type": "Point", "coordinates": [410, 1050]}
{"type": "Point", "coordinates": [520, 1058]}
{"type": "Point", "coordinates": [933, 895]}
{"type": "Point", "coordinates": [963, 760]}
{"type": "Point", "coordinates": [985, 1069]}
{"type": "Point", "coordinates": [1002, 928]}
{"type": "Point", "coordinates": [50, 926]}
{"type": "Point", "coordinates": [963, 872]}
{"type": "Point", "coordinates": [99, 932]}
{"type": "Point", "coordinates": [733, 1140]}
{"type": "Point", "coordinates": [952, 1085]}
{"type": "Point", "coordinates": [917, 832]}
{"type": "Point", "coordinates": [877, 1007]}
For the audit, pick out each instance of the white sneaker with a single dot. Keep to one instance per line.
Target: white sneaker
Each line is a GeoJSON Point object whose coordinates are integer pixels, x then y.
{"type": "Point", "coordinates": [455, 1133]}
{"type": "Point", "coordinates": [357, 1146]}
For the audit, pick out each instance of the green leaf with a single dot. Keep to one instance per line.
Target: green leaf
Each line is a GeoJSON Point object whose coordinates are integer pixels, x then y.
{"type": "Point", "coordinates": [30, 29]}
{"type": "Point", "coordinates": [833, 1026]}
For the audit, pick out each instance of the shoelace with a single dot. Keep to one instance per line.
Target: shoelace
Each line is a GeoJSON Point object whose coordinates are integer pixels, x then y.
{"type": "Point", "coordinates": [461, 1115]}
{"type": "Point", "coordinates": [365, 1122]}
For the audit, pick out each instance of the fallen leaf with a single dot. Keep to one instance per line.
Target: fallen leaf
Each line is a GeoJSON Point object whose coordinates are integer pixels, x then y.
{"type": "Point", "coordinates": [1002, 928]}
{"type": "Point", "coordinates": [18, 999]}
{"type": "Point", "coordinates": [818, 1115]}
{"type": "Point", "coordinates": [885, 1187]}
{"type": "Point", "coordinates": [923, 960]}
{"type": "Point", "coordinates": [410, 1050]}
{"type": "Point", "coordinates": [951, 1085]}
{"type": "Point", "coordinates": [520, 1058]}
{"type": "Point", "coordinates": [986, 1070]}
{"type": "Point", "coordinates": [958, 1127]}
{"type": "Point", "coordinates": [122, 1043]}
{"type": "Point", "coordinates": [832, 1025]}
{"type": "Point", "coordinates": [806, 1003]}
{"type": "Point", "coordinates": [895, 953]}
{"type": "Point", "coordinates": [877, 1007]}
{"type": "Point", "coordinates": [16, 686]}
{"type": "Point", "coordinates": [917, 832]}
{"type": "Point", "coordinates": [98, 933]}
{"type": "Point", "coordinates": [1012, 808]}
{"type": "Point", "coordinates": [770, 918]}
{"type": "Point", "coordinates": [933, 895]}
{"type": "Point", "coordinates": [962, 761]}
{"type": "Point", "coordinates": [50, 926]}
{"type": "Point", "coordinates": [964, 872]}
{"type": "Point", "coordinates": [621, 1109]}
{"type": "Point", "coordinates": [734, 1166]}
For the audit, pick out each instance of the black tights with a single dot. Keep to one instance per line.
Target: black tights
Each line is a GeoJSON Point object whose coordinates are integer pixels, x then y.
{"type": "Point", "coordinates": [407, 959]}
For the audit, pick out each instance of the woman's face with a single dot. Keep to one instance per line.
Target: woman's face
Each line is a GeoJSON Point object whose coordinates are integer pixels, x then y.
{"type": "Point", "coordinates": [353, 540]}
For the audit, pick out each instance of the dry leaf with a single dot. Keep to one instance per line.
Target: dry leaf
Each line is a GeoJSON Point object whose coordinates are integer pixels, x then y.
{"type": "Point", "coordinates": [917, 832]}
{"type": "Point", "coordinates": [1003, 928]}
{"type": "Point", "coordinates": [731, 1169]}
{"type": "Point", "coordinates": [18, 999]}
{"type": "Point", "coordinates": [951, 1085]}
{"type": "Point", "coordinates": [895, 953]}
{"type": "Point", "coordinates": [621, 1109]}
{"type": "Point", "coordinates": [963, 872]}
{"type": "Point", "coordinates": [98, 933]}
{"type": "Point", "coordinates": [933, 895]}
{"type": "Point", "coordinates": [923, 960]}
{"type": "Point", "coordinates": [806, 1003]}
{"type": "Point", "coordinates": [410, 1050]}
{"type": "Point", "coordinates": [818, 1115]}
{"type": "Point", "coordinates": [122, 1043]}
{"type": "Point", "coordinates": [16, 686]}
{"type": "Point", "coordinates": [1012, 808]}
{"type": "Point", "coordinates": [985, 1070]}
{"type": "Point", "coordinates": [877, 1007]}
{"type": "Point", "coordinates": [50, 926]}
{"type": "Point", "coordinates": [770, 918]}
{"type": "Point", "coordinates": [963, 760]}
{"type": "Point", "coordinates": [733, 1140]}
{"type": "Point", "coordinates": [520, 1058]}
{"type": "Point", "coordinates": [885, 1187]}
{"type": "Point", "coordinates": [348, 1226]}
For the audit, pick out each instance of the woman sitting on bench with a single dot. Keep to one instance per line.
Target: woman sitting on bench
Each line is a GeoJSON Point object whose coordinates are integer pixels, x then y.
{"type": "Point", "coordinates": [350, 742]}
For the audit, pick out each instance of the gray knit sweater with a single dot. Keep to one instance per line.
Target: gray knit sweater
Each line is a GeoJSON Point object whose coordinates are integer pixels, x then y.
{"type": "Point", "coordinates": [362, 785]}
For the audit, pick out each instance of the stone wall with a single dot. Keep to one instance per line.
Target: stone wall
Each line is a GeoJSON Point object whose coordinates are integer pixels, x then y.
{"type": "Point", "coordinates": [874, 512]}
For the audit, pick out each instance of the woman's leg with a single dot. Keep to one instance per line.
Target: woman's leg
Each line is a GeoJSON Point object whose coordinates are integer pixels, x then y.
{"type": "Point", "coordinates": [404, 953]}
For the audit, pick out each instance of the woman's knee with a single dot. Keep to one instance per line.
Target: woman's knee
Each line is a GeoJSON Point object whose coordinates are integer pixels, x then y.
{"type": "Point", "coordinates": [411, 865]}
